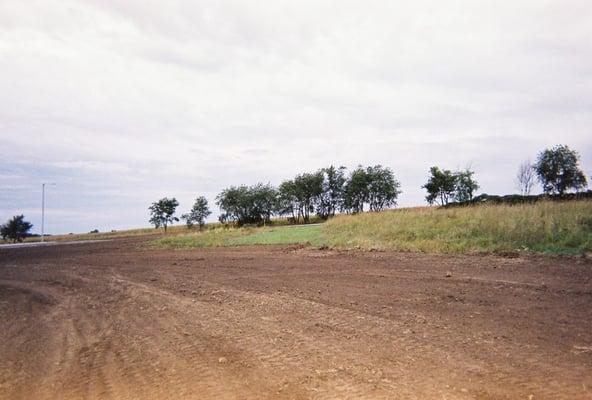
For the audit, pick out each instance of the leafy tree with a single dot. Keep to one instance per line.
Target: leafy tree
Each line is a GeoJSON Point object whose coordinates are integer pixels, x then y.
{"type": "Point", "coordinates": [198, 214]}
{"type": "Point", "coordinates": [308, 189]}
{"type": "Point", "coordinates": [558, 170]}
{"type": "Point", "coordinates": [232, 201]}
{"type": "Point", "coordinates": [300, 196]}
{"type": "Point", "coordinates": [333, 188]}
{"type": "Point", "coordinates": [374, 185]}
{"type": "Point", "coordinates": [287, 202]}
{"type": "Point", "coordinates": [383, 188]}
{"type": "Point", "coordinates": [356, 191]}
{"type": "Point", "coordinates": [264, 201]}
{"type": "Point", "coordinates": [16, 228]}
{"type": "Point", "coordinates": [525, 178]}
{"type": "Point", "coordinates": [247, 204]}
{"type": "Point", "coordinates": [465, 185]}
{"type": "Point", "coordinates": [441, 186]}
{"type": "Point", "coordinates": [162, 212]}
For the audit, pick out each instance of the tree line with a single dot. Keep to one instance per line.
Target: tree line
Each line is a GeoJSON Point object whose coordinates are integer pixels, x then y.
{"type": "Point", "coordinates": [322, 194]}
{"type": "Point", "coordinates": [556, 169]}
{"type": "Point", "coordinates": [333, 190]}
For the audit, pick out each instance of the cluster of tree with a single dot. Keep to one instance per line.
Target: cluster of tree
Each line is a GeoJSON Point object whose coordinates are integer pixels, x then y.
{"type": "Point", "coordinates": [322, 193]}
{"type": "Point", "coordinates": [247, 204]}
{"type": "Point", "coordinates": [162, 212]}
{"type": "Point", "coordinates": [444, 186]}
{"type": "Point", "coordinates": [557, 170]}
{"type": "Point", "coordinates": [331, 190]}
{"type": "Point", "coordinates": [15, 229]}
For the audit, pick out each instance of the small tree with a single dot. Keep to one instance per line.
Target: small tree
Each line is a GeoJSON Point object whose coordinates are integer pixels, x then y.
{"type": "Point", "coordinates": [16, 228]}
{"type": "Point", "coordinates": [287, 202]}
{"type": "Point", "coordinates": [333, 187]}
{"type": "Point", "coordinates": [465, 185]}
{"type": "Point", "coordinates": [383, 188]}
{"type": "Point", "coordinates": [247, 204]}
{"type": "Point", "coordinates": [162, 212]}
{"type": "Point", "coordinates": [308, 188]}
{"type": "Point", "coordinates": [356, 191]}
{"type": "Point", "coordinates": [525, 178]}
{"type": "Point", "coordinates": [198, 214]}
{"type": "Point", "coordinates": [374, 185]}
{"type": "Point", "coordinates": [558, 170]}
{"type": "Point", "coordinates": [441, 186]}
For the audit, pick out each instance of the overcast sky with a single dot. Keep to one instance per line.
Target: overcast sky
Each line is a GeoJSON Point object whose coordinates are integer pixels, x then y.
{"type": "Point", "coordinates": [122, 102]}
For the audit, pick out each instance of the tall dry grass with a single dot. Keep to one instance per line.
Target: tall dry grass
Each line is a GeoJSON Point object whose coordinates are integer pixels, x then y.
{"type": "Point", "coordinates": [545, 227]}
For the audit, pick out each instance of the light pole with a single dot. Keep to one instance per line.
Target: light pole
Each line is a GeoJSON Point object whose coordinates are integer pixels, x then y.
{"type": "Point", "coordinates": [43, 209]}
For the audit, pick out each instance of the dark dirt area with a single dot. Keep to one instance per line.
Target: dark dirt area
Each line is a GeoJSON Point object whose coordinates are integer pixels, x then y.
{"type": "Point", "coordinates": [115, 320]}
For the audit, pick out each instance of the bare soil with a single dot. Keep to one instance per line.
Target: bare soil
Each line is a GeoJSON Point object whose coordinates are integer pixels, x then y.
{"type": "Point", "coordinates": [115, 320]}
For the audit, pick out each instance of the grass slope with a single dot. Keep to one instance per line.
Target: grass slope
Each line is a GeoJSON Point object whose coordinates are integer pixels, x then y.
{"type": "Point", "coordinates": [544, 227]}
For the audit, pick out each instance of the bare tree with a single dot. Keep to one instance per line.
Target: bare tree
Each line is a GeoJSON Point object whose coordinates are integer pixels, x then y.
{"type": "Point", "coordinates": [525, 178]}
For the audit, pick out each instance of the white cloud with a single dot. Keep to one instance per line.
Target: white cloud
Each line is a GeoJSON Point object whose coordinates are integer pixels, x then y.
{"type": "Point", "coordinates": [146, 98]}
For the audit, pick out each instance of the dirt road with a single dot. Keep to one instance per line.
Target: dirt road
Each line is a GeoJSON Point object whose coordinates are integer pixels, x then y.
{"type": "Point", "coordinates": [116, 321]}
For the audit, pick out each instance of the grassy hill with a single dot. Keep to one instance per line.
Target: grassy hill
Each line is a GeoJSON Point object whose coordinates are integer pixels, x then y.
{"type": "Point", "coordinates": [543, 227]}
{"type": "Point", "coordinates": [551, 227]}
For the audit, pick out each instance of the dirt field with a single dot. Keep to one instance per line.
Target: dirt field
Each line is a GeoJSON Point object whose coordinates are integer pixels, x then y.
{"type": "Point", "coordinates": [111, 321]}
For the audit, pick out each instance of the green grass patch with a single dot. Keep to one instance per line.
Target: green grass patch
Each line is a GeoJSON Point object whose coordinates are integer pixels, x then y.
{"type": "Point", "coordinates": [298, 234]}
{"type": "Point", "coordinates": [544, 227]}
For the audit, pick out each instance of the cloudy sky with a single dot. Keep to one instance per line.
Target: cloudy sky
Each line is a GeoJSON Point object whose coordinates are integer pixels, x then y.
{"type": "Point", "coordinates": [122, 102]}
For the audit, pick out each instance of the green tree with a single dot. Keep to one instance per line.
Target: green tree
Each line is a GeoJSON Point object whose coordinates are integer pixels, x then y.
{"type": "Point", "coordinates": [333, 189]}
{"type": "Point", "coordinates": [287, 203]}
{"type": "Point", "coordinates": [162, 212]}
{"type": "Point", "coordinates": [247, 204]}
{"type": "Point", "coordinates": [441, 186]}
{"type": "Point", "coordinates": [383, 188]}
{"type": "Point", "coordinates": [374, 185]}
{"type": "Point", "coordinates": [465, 185]}
{"type": "Point", "coordinates": [356, 191]}
{"type": "Point", "coordinates": [198, 214]}
{"type": "Point", "coordinates": [16, 228]}
{"type": "Point", "coordinates": [558, 170]}
{"type": "Point", "coordinates": [308, 188]}
{"type": "Point", "coordinates": [300, 196]}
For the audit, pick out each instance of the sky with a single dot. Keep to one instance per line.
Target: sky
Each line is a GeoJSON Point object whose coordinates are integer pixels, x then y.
{"type": "Point", "coordinates": [121, 103]}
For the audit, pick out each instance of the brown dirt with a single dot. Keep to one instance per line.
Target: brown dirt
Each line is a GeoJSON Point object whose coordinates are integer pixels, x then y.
{"type": "Point", "coordinates": [115, 321]}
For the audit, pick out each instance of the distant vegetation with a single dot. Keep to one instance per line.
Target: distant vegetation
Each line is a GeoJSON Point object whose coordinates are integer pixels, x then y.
{"type": "Point", "coordinates": [444, 186]}
{"type": "Point", "coordinates": [322, 194]}
{"type": "Point", "coordinates": [331, 191]}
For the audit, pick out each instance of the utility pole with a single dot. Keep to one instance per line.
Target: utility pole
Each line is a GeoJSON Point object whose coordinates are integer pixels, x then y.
{"type": "Point", "coordinates": [43, 209]}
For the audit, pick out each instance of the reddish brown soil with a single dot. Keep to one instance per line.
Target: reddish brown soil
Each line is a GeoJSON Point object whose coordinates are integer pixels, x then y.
{"type": "Point", "coordinates": [115, 321]}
